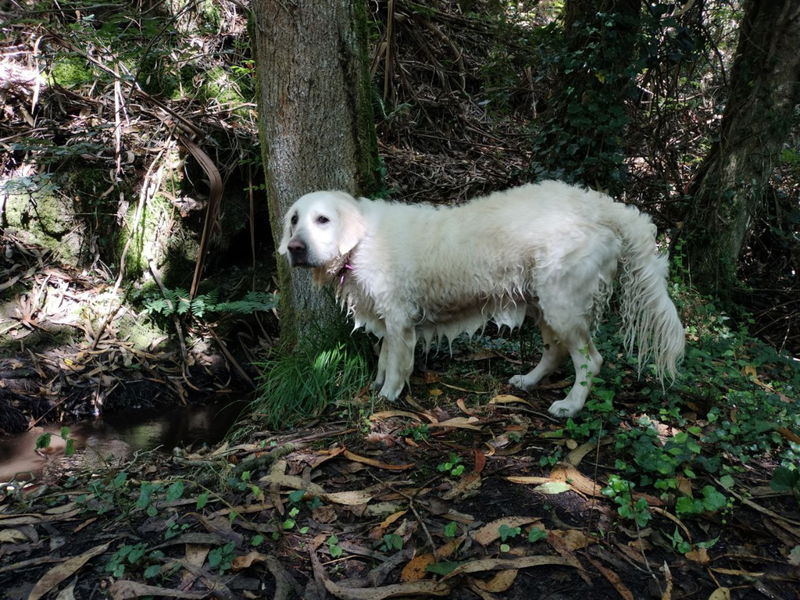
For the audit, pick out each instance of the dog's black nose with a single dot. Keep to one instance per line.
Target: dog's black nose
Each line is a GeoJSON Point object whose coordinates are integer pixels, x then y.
{"type": "Point", "coordinates": [298, 252]}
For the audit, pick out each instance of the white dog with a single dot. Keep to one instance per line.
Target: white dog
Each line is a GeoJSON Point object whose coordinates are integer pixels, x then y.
{"type": "Point", "coordinates": [548, 250]}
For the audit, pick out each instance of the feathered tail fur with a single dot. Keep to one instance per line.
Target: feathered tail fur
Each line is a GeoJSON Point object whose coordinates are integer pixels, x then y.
{"type": "Point", "coordinates": [649, 318]}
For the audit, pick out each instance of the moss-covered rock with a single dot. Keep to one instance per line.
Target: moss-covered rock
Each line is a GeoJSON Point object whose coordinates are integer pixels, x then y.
{"type": "Point", "coordinates": [39, 213]}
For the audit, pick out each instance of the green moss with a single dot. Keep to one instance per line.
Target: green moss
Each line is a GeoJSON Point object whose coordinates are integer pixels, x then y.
{"type": "Point", "coordinates": [71, 72]}
{"type": "Point", "coordinates": [36, 208]}
{"type": "Point", "coordinates": [148, 236]}
{"type": "Point", "coordinates": [223, 87]}
{"type": "Point", "coordinates": [141, 333]}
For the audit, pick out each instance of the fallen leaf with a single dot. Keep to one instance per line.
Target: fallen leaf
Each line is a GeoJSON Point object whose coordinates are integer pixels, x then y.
{"type": "Point", "coordinates": [667, 594]}
{"type": "Point", "coordinates": [496, 564]}
{"type": "Point", "coordinates": [508, 399]}
{"type": "Point", "coordinates": [468, 484]}
{"type": "Point", "coordinates": [392, 518]}
{"type": "Point", "coordinates": [527, 479]}
{"type": "Point", "coordinates": [325, 455]}
{"type": "Point", "coordinates": [698, 555]}
{"type": "Point", "coordinates": [351, 498]}
{"type": "Point", "coordinates": [491, 531]}
{"type": "Point", "coordinates": [246, 560]}
{"type": "Point", "coordinates": [12, 536]}
{"type": "Point", "coordinates": [294, 482]}
{"type": "Point", "coordinates": [412, 588]}
{"type": "Point", "coordinates": [459, 422]}
{"type": "Point", "coordinates": [721, 593]}
{"type": "Point", "coordinates": [388, 414]}
{"type": "Point", "coordinates": [579, 482]}
{"type": "Point", "coordinates": [553, 487]}
{"type": "Point", "coordinates": [68, 593]}
{"type": "Point", "coordinates": [124, 589]}
{"type": "Point", "coordinates": [480, 460]}
{"type": "Point", "coordinates": [416, 568]}
{"type": "Point", "coordinates": [376, 463]}
{"type": "Point", "coordinates": [561, 545]}
{"type": "Point", "coordinates": [59, 573]}
{"type": "Point", "coordinates": [738, 572]}
{"type": "Point", "coordinates": [789, 435]}
{"type": "Point", "coordinates": [573, 539]}
{"type": "Point", "coordinates": [463, 406]}
{"type": "Point", "coordinates": [612, 578]}
{"type": "Point", "coordinates": [500, 582]}
{"type": "Point", "coordinates": [194, 556]}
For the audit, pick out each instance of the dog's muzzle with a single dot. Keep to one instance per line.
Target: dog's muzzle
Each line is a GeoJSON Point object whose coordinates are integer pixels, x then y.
{"type": "Point", "coordinates": [298, 253]}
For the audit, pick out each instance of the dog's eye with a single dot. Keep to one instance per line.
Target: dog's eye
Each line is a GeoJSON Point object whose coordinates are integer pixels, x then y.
{"type": "Point", "coordinates": [322, 219]}
{"type": "Point", "coordinates": [293, 220]}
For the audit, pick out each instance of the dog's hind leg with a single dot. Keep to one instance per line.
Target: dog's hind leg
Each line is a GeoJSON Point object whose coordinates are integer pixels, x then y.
{"type": "Point", "coordinates": [587, 362]}
{"type": "Point", "coordinates": [553, 354]}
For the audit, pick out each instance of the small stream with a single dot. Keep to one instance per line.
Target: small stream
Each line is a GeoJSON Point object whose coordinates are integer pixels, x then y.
{"type": "Point", "coordinates": [119, 435]}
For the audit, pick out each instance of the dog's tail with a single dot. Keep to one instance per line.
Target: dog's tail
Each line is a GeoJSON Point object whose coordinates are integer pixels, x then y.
{"type": "Point", "coordinates": [649, 318]}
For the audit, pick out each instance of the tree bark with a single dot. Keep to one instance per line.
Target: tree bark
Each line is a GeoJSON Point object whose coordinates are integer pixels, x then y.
{"type": "Point", "coordinates": [731, 183]}
{"type": "Point", "coordinates": [316, 125]}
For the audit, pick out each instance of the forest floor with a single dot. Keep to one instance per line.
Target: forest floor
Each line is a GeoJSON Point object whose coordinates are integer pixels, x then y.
{"type": "Point", "coordinates": [466, 492]}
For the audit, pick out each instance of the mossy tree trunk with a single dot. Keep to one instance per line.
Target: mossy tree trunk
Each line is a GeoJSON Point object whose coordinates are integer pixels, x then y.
{"type": "Point", "coordinates": [316, 125]}
{"type": "Point", "coordinates": [583, 131]}
{"type": "Point", "coordinates": [732, 181]}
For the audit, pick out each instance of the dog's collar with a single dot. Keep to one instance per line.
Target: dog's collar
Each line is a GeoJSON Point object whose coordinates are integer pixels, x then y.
{"type": "Point", "coordinates": [340, 268]}
{"type": "Point", "coordinates": [343, 272]}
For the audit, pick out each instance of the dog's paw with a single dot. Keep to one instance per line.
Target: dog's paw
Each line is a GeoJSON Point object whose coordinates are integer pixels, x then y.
{"type": "Point", "coordinates": [391, 393]}
{"type": "Point", "coordinates": [563, 409]}
{"type": "Point", "coordinates": [520, 382]}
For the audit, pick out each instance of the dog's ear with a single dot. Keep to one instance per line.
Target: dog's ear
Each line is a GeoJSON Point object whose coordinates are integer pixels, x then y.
{"type": "Point", "coordinates": [283, 247]}
{"type": "Point", "coordinates": [353, 227]}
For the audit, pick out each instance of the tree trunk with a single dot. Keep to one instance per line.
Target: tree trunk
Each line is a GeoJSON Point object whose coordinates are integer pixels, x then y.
{"type": "Point", "coordinates": [732, 181]}
{"type": "Point", "coordinates": [316, 124]}
{"type": "Point", "coordinates": [583, 132]}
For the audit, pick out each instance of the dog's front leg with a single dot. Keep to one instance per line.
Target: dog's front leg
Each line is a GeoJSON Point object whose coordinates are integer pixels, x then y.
{"type": "Point", "coordinates": [380, 376]}
{"type": "Point", "coordinates": [398, 351]}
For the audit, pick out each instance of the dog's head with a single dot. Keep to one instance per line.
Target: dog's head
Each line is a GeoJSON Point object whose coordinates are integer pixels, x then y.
{"type": "Point", "coordinates": [321, 227]}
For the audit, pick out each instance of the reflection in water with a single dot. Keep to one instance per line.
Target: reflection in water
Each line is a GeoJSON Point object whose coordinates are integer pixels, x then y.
{"type": "Point", "coordinates": [118, 435]}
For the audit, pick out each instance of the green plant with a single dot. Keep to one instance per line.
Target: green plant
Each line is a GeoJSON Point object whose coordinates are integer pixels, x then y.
{"type": "Point", "coordinates": [786, 479]}
{"type": "Point", "coordinates": [177, 302]}
{"type": "Point", "coordinates": [451, 529]}
{"type": "Point", "coordinates": [391, 542]}
{"type": "Point", "coordinates": [621, 492]}
{"type": "Point", "coordinates": [105, 495]}
{"type": "Point", "coordinates": [301, 383]}
{"type": "Point", "coordinates": [333, 547]}
{"type": "Point", "coordinates": [418, 433]}
{"type": "Point", "coordinates": [683, 546]}
{"type": "Point", "coordinates": [298, 501]}
{"type": "Point", "coordinates": [506, 533]}
{"type": "Point", "coordinates": [135, 555]}
{"type": "Point", "coordinates": [221, 558]}
{"type": "Point", "coordinates": [43, 441]}
{"type": "Point", "coordinates": [536, 534]}
{"type": "Point", "coordinates": [452, 466]}
{"type": "Point", "coordinates": [711, 501]}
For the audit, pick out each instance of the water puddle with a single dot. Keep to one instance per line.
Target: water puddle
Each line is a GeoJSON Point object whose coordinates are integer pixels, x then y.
{"type": "Point", "coordinates": [118, 435]}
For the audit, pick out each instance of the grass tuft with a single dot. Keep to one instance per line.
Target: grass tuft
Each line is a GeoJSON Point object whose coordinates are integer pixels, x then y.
{"type": "Point", "coordinates": [301, 382]}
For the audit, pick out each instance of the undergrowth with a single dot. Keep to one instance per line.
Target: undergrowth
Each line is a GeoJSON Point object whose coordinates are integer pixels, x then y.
{"type": "Point", "coordinates": [734, 402]}
{"type": "Point", "coordinates": [326, 368]}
